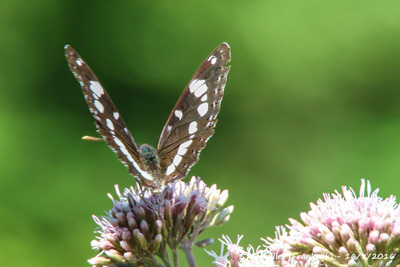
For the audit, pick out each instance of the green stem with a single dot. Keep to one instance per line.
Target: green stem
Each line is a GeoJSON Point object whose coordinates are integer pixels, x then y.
{"type": "Point", "coordinates": [187, 248]}
{"type": "Point", "coordinates": [175, 256]}
{"type": "Point", "coordinates": [163, 254]}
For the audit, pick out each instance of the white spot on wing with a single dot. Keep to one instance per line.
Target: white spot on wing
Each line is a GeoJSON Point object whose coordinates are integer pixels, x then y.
{"type": "Point", "coordinates": [201, 90]}
{"type": "Point", "coordinates": [99, 106]}
{"type": "Point", "coordinates": [129, 157]}
{"type": "Point", "coordinates": [96, 89]}
{"type": "Point", "coordinates": [170, 169]}
{"type": "Point", "coordinates": [79, 62]}
{"type": "Point", "coordinates": [123, 149]}
{"type": "Point", "coordinates": [178, 114]}
{"type": "Point", "coordinates": [202, 109]}
{"type": "Point", "coordinates": [195, 84]}
{"type": "Point", "coordinates": [144, 174]}
{"type": "Point", "coordinates": [204, 98]}
{"type": "Point", "coordinates": [110, 124]}
{"type": "Point", "coordinates": [177, 160]}
{"type": "Point", "coordinates": [116, 115]}
{"type": "Point", "coordinates": [183, 147]}
{"type": "Point", "coordinates": [213, 60]}
{"type": "Point", "coordinates": [186, 144]}
{"type": "Point", "coordinates": [169, 127]}
{"type": "Point", "coordinates": [118, 142]}
{"type": "Point", "coordinates": [192, 127]}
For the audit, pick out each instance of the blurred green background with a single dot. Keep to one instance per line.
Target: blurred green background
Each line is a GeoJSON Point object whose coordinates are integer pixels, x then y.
{"type": "Point", "coordinates": [312, 103]}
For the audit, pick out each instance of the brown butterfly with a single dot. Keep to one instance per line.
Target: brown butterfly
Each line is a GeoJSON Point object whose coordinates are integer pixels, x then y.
{"type": "Point", "coordinates": [188, 128]}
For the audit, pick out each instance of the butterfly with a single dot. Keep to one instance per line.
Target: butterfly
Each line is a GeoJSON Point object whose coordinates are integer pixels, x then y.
{"type": "Point", "coordinates": [186, 132]}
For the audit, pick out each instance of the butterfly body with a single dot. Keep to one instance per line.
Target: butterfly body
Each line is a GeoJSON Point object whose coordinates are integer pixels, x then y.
{"type": "Point", "coordinates": [149, 157]}
{"type": "Point", "coordinates": [189, 126]}
{"type": "Point", "coordinates": [150, 160]}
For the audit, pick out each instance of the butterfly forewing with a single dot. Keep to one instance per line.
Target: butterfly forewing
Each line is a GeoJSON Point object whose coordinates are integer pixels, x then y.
{"type": "Point", "coordinates": [110, 124]}
{"type": "Point", "coordinates": [192, 121]}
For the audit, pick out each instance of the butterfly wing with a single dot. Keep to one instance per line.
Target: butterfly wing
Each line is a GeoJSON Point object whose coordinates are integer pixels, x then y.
{"type": "Point", "coordinates": [192, 121]}
{"type": "Point", "coordinates": [109, 122]}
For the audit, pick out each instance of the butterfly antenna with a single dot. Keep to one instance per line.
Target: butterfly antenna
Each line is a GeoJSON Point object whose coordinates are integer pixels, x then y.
{"type": "Point", "coordinates": [152, 139]}
{"type": "Point", "coordinates": [91, 138]}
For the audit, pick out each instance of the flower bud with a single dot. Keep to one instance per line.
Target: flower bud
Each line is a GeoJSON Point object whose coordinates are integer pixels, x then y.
{"type": "Point", "coordinates": [155, 244]}
{"type": "Point", "coordinates": [222, 216]}
{"type": "Point", "coordinates": [205, 242]}
{"type": "Point", "coordinates": [98, 261]}
{"type": "Point", "coordinates": [140, 239]}
{"type": "Point", "coordinates": [115, 255]}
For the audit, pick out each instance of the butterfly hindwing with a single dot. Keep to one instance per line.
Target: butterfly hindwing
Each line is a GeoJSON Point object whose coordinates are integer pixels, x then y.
{"type": "Point", "coordinates": [110, 124]}
{"type": "Point", "coordinates": [192, 121]}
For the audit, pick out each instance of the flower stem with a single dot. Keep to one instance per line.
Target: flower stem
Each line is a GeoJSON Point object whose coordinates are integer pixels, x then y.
{"type": "Point", "coordinates": [175, 255]}
{"type": "Point", "coordinates": [163, 255]}
{"type": "Point", "coordinates": [155, 262]}
{"type": "Point", "coordinates": [187, 248]}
